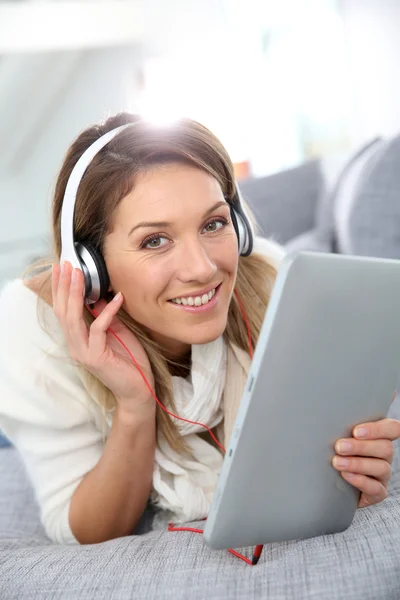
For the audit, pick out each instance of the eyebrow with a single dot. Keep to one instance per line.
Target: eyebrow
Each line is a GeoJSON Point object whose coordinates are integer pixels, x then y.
{"type": "Point", "coordinates": [167, 224]}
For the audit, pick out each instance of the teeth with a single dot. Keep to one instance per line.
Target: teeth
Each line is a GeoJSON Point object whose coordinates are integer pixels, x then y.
{"type": "Point", "coordinates": [196, 301]}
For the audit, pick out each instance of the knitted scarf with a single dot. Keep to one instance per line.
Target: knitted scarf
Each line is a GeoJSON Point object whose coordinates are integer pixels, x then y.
{"type": "Point", "coordinates": [210, 395]}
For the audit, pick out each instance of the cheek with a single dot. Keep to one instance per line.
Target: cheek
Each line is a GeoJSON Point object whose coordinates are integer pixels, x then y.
{"type": "Point", "coordinates": [144, 282]}
{"type": "Point", "coordinates": [229, 259]}
{"type": "Point", "coordinates": [152, 282]}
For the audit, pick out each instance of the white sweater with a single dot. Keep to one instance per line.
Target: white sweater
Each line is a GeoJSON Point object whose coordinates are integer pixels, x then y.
{"type": "Point", "coordinates": [45, 409]}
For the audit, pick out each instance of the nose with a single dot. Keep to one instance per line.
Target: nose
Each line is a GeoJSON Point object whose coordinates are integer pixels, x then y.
{"type": "Point", "coordinates": [195, 262]}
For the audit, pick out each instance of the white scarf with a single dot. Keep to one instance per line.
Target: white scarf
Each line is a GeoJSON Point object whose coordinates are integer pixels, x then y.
{"type": "Point", "coordinates": [184, 486]}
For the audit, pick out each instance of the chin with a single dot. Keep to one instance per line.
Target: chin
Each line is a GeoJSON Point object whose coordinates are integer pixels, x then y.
{"type": "Point", "coordinates": [205, 335]}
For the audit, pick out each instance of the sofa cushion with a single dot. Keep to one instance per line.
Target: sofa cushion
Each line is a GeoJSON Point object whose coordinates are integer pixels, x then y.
{"type": "Point", "coordinates": [345, 199]}
{"type": "Point", "coordinates": [333, 206]}
{"type": "Point", "coordinates": [284, 203]}
{"type": "Point", "coordinates": [361, 562]}
{"type": "Point", "coordinates": [329, 233]}
{"type": "Point", "coordinates": [372, 221]}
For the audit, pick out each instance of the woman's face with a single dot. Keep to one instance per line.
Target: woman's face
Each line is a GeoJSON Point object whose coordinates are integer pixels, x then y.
{"type": "Point", "coordinates": [172, 246]}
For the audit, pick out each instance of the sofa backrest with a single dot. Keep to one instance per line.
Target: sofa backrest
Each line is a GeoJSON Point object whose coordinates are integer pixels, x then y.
{"type": "Point", "coordinates": [284, 203]}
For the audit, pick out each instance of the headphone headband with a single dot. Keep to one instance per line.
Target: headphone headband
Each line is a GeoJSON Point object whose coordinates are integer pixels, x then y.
{"type": "Point", "coordinates": [68, 249]}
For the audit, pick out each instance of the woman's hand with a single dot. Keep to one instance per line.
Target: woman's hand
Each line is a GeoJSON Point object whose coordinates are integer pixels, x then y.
{"type": "Point", "coordinates": [370, 475]}
{"type": "Point", "coordinates": [96, 348]}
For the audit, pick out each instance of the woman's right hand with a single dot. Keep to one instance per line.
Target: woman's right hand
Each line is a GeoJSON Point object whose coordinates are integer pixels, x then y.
{"type": "Point", "coordinates": [96, 348]}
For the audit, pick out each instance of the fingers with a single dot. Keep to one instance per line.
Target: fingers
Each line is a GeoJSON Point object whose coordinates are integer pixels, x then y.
{"type": "Point", "coordinates": [385, 428]}
{"type": "Point", "coordinates": [364, 460]}
{"type": "Point", "coordinates": [77, 330]}
{"type": "Point", "coordinates": [98, 329]}
{"type": "Point", "coordinates": [68, 303]}
{"type": "Point", "coordinates": [371, 467]}
{"type": "Point", "coordinates": [61, 287]}
{"type": "Point", "coordinates": [68, 307]}
{"type": "Point", "coordinates": [373, 491]}
{"type": "Point", "coordinates": [374, 448]}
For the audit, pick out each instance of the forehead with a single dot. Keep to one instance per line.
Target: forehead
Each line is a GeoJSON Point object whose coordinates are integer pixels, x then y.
{"type": "Point", "coordinates": [167, 189]}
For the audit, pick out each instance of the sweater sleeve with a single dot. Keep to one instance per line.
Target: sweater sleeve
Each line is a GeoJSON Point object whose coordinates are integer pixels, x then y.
{"type": "Point", "coordinates": [45, 412]}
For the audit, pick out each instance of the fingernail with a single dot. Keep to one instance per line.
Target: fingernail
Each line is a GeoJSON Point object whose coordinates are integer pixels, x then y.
{"type": "Point", "coordinates": [361, 432]}
{"type": "Point", "coordinates": [338, 461]}
{"type": "Point", "coordinates": [63, 268]}
{"type": "Point", "coordinates": [117, 297]}
{"type": "Point", "coordinates": [73, 277]}
{"type": "Point", "coordinates": [343, 446]}
{"type": "Point", "coordinates": [348, 475]}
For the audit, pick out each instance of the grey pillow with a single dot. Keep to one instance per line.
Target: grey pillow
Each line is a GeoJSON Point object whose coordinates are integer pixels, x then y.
{"type": "Point", "coordinates": [284, 203]}
{"type": "Point", "coordinates": [372, 227]}
{"type": "Point", "coordinates": [333, 202]}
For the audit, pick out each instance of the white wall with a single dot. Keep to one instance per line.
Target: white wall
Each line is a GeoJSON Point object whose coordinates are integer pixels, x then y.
{"type": "Point", "coordinates": [55, 80]}
{"type": "Point", "coordinates": [372, 37]}
{"type": "Point", "coordinates": [102, 82]}
{"type": "Point", "coordinates": [100, 87]}
{"type": "Point", "coordinates": [95, 82]}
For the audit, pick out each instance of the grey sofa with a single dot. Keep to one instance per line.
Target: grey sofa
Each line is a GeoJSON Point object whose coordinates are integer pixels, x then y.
{"type": "Point", "coordinates": [297, 209]}
{"type": "Point", "coordinates": [363, 563]}
{"type": "Point", "coordinates": [356, 213]}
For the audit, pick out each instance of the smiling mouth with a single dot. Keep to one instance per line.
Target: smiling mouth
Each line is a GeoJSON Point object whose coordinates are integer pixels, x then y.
{"type": "Point", "coordinates": [196, 301]}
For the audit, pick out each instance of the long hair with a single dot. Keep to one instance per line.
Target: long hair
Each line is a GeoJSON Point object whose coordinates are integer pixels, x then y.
{"type": "Point", "coordinates": [108, 179]}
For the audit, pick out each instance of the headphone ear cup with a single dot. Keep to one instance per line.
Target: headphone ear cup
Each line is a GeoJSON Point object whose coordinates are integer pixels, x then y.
{"type": "Point", "coordinates": [242, 224]}
{"type": "Point", "coordinates": [236, 228]}
{"type": "Point", "coordinates": [94, 270]}
{"type": "Point", "coordinates": [244, 231]}
{"type": "Point", "coordinates": [101, 269]}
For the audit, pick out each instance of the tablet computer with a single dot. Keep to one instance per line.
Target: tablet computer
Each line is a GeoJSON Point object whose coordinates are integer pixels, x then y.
{"type": "Point", "coordinates": [327, 358]}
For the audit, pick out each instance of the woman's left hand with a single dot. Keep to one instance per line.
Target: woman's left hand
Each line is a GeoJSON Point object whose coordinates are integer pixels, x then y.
{"type": "Point", "coordinates": [370, 475]}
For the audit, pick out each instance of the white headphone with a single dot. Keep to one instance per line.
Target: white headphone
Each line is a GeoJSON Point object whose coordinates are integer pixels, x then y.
{"type": "Point", "coordinates": [86, 257]}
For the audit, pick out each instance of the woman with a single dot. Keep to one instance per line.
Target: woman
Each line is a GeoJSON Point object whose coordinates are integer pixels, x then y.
{"type": "Point", "coordinates": [156, 203]}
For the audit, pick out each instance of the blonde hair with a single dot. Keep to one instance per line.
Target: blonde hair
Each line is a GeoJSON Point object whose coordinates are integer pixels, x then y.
{"type": "Point", "coordinates": [108, 179]}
